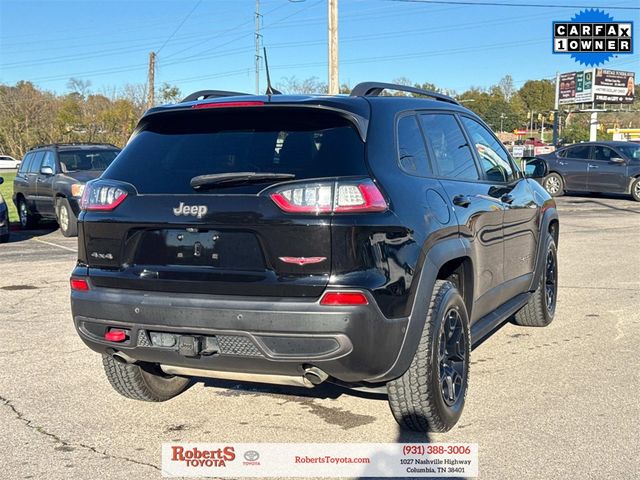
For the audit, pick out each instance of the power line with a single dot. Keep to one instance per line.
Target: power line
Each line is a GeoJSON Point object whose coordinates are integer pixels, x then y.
{"type": "Point", "coordinates": [501, 4]}
{"type": "Point", "coordinates": [180, 26]}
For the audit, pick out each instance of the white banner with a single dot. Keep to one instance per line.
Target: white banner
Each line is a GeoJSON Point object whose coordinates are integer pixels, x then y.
{"type": "Point", "coordinates": [319, 460]}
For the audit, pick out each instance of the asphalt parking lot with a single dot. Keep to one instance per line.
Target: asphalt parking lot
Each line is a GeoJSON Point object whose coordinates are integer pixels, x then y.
{"type": "Point", "coordinates": [553, 403]}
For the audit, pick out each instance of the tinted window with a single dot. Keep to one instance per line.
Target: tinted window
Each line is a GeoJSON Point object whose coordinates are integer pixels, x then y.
{"type": "Point", "coordinates": [494, 159]}
{"type": "Point", "coordinates": [631, 151]}
{"type": "Point", "coordinates": [49, 160]}
{"type": "Point", "coordinates": [175, 147]}
{"type": "Point", "coordinates": [37, 161]}
{"type": "Point", "coordinates": [26, 161]}
{"type": "Point", "coordinates": [603, 153]}
{"type": "Point", "coordinates": [580, 151]}
{"type": "Point", "coordinates": [412, 153]}
{"type": "Point", "coordinates": [562, 153]}
{"type": "Point", "coordinates": [85, 159]}
{"type": "Point", "coordinates": [448, 147]}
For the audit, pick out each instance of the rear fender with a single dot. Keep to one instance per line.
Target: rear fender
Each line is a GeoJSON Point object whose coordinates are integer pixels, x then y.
{"type": "Point", "coordinates": [439, 254]}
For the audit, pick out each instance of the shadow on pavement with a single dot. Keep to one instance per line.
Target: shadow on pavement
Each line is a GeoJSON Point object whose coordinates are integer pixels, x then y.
{"type": "Point", "coordinates": [585, 199]}
{"type": "Point", "coordinates": [42, 230]}
{"type": "Point", "coordinates": [323, 391]}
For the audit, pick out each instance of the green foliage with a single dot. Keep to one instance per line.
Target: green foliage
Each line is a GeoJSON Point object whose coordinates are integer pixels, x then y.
{"type": "Point", "coordinates": [29, 116]}
{"type": "Point", "coordinates": [6, 190]}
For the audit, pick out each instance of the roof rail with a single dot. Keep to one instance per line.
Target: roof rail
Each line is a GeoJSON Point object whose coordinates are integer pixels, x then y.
{"type": "Point", "coordinates": [202, 94]}
{"type": "Point", "coordinates": [374, 89]}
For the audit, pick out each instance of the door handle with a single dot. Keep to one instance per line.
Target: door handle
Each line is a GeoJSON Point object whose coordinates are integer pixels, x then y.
{"type": "Point", "coordinates": [593, 166]}
{"type": "Point", "coordinates": [507, 198]}
{"type": "Point", "coordinates": [563, 163]}
{"type": "Point", "coordinates": [461, 201]}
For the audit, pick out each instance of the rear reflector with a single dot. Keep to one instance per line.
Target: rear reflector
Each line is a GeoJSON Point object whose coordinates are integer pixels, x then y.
{"type": "Point", "coordinates": [79, 284]}
{"type": "Point", "coordinates": [302, 260]}
{"type": "Point", "coordinates": [115, 335]}
{"type": "Point", "coordinates": [344, 298]}
{"type": "Point", "coordinates": [227, 104]}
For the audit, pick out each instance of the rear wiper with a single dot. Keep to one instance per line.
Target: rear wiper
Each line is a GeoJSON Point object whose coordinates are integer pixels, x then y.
{"type": "Point", "coordinates": [236, 178]}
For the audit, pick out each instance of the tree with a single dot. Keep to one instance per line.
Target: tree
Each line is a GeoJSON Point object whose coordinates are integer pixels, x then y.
{"type": "Point", "coordinates": [538, 95]}
{"type": "Point", "coordinates": [81, 87]}
{"type": "Point", "coordinates": [169, 93]}
{"type": "Point", "coordinates": [506, 87]}
{"type": "Point", "coordinates": [293, 86]}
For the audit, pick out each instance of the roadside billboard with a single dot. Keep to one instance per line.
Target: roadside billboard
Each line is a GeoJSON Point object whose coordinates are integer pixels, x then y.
{"type": "Point", "coordinates": [613, 86]}
{"type": "Point", "coordinates": [596, 85]}
{"type": "Point", "coordinates": [576, 87]}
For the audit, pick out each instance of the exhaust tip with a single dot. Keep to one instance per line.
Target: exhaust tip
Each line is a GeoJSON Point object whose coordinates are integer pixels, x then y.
{"type": "Point", "coordinates": [314, 375]}
{"type": "Point", "coordinates": [122, 358]}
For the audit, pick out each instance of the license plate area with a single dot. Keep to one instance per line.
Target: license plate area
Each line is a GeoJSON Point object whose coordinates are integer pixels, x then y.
{"type": "Point", "coordinates": [229, 250]}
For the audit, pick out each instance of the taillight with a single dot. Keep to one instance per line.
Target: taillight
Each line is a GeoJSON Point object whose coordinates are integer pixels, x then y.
{"type": "Point", "coordinates": [344, 298]}
{"type": "Point", "coordinates": [79, 284]}
{"type": "Point", "coordinates": [102, 195]}
{"type": "Point", "coordinates": [330, 197]}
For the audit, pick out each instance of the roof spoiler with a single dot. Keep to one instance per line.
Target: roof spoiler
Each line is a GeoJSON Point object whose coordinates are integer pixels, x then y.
{"type": "Point", "coordinates": [202, 94]}
{"type": "Point", "coordinates": [374, 89]}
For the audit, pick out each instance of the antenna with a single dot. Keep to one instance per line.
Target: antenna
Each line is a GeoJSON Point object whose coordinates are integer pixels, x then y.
{"type": "Point", "coordinates": [270, 89]}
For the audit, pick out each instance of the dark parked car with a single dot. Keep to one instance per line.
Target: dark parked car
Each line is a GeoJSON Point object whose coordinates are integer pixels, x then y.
{"type": "Point", "coordinates": [51, 179]}
{"type": "Point", "coordinates": [363, 240]}
{"type": "Point", "coordinates": [603, 167]}
{"type": "Point", "coordinates": [4, 218]}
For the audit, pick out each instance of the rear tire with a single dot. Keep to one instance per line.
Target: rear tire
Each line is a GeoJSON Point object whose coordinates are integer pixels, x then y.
{"type": "Point", "coordinates": [66, 218]}
{"type": "Point", "coordinates": [541, 308]}
{"type": "Point", "coordinates": [148, 384]}
{"type": "Point", "coordinates": [430, 396]}
{"type": "Point", "coordinates": [27, 219]}
{"type": "Point", "coordinates": [554, 184]}
{"type": "Point", "coordinates": [635, 189]}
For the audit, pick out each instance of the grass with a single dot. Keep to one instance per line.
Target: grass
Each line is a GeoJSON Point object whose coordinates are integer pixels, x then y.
{"type": "Point", "coordinates": [6, 189]}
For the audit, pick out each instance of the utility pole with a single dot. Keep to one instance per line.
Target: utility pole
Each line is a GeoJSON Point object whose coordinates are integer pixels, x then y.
{"type": "Point", "coordinates": [151, 97]}
{"type": "Point", "coordinates": [258, 41]}
{"type": "Point", "coordinates": [334, 85]}
{"type": "Point", "coordinates": [502, 117]}
{"type": "Point", "coordinates": [556, 112]}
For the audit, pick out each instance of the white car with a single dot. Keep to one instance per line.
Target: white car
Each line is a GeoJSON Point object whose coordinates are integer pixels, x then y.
{"type": "Point", "coordinates": [9, 162]}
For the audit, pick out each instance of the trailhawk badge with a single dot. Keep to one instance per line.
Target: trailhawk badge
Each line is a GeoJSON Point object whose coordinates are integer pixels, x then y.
{"type": "Point", "coordinates": [197, 211]}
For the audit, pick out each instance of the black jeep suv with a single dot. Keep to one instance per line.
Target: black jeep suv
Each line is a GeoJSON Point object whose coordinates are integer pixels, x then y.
{"type": "Point", "coordinates": [51, 179]}
{"type": "Point", "coordinates": [363, 240]}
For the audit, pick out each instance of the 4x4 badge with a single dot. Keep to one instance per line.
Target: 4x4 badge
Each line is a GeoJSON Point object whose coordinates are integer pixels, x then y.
{"type": "Point", "coordinates": [198, 211]}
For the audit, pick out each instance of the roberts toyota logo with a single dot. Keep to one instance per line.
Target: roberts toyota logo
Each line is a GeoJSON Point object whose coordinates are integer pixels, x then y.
{"type": "Point", "coordinates": [592, 37]}
{"type": "Point", "coordinates": [197, 211]}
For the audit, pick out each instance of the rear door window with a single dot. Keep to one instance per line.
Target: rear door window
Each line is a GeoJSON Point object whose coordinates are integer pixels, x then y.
{"type": "Point", "coordinates": [579, 151]}
{"type": "Point", "coordinates": [174, 147]}
{"type": "Point", "coordinates": [448, 147]}
{"type": "Point", "coordinates": [412, 154]}
{"type": "Point", "coordinates": [37, 161]}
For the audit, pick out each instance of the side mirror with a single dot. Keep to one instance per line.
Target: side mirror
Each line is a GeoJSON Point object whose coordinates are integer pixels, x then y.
{"type": "Point", "coordinates": [617, 160]}
{"type": "Point", "coordinates": [46, 171]}
{"type": "Point", "coordinates": [536, 168]}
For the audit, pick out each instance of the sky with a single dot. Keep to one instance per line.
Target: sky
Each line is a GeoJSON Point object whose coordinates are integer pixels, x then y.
{"type": "Point", "coordinates": [209, 44]}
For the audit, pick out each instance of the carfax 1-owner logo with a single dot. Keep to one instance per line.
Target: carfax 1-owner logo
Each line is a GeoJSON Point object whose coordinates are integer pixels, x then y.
{"type": "Point", "coordinates": [593, 37]}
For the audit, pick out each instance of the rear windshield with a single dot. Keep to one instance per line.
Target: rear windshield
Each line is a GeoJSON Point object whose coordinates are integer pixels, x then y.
{"type": "Point", "coordinates": [85, 159]}
{"type": "Point", "coordinates": [174, 147]}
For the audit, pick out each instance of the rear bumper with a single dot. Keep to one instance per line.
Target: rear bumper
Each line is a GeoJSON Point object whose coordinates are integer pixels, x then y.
{"type": "Point", "coordinates": [354, 344]}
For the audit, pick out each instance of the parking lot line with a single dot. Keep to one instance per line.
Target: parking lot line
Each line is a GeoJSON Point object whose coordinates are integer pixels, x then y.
{"type": "Point", "coordinates": [54, 244]}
